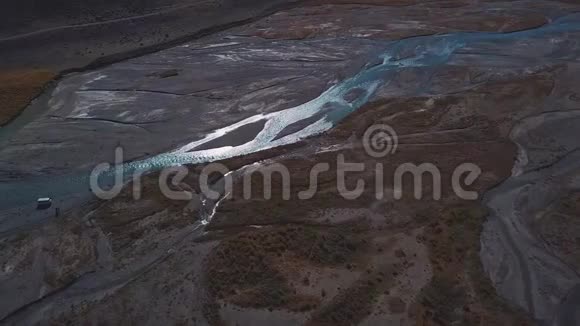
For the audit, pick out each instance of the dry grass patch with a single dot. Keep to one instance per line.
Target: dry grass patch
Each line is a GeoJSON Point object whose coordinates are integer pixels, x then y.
{"type": "Point", "coordinates": [460, 291]}
{"type": "Point", "coordinates": [247, 270]}
{"type": "Point", "coordinates": [18, 88]}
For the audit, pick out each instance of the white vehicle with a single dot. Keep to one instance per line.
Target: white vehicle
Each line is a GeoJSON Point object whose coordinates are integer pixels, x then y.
{"type": "Point", "coordinates": [43, 203]}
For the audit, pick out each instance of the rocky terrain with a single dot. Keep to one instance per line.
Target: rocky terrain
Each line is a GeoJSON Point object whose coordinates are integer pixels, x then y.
{"type": "Point", "coordinates": [297, 84]}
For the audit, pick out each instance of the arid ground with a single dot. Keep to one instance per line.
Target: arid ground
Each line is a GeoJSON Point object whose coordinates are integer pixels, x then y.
{"type": "Point", "coordinates": [255, 87]}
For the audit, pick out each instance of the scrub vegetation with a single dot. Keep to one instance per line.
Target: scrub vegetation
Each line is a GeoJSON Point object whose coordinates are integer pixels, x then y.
{"type": "Point", "coordinates": [18, 88]}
